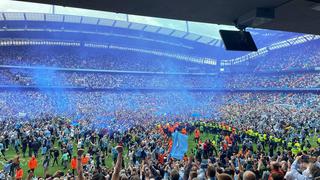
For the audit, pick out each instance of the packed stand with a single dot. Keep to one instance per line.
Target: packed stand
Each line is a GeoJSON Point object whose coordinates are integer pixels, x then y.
{"type": "Point", "coordinates": [89, 79]}
{"type": "Point", "coordinates": [302, 56]}
{"type": "Point", "coordinates": [95, 58]}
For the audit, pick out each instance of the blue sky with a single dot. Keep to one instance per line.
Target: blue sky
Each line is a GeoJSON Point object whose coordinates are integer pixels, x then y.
{"type": "Point", "coordinates": [211, 30]}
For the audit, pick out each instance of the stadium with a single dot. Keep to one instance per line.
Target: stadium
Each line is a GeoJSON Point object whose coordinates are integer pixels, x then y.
{"type": "Point", "coordinates": [86, 96]}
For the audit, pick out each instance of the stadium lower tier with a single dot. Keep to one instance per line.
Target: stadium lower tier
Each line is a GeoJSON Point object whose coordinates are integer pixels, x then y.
{"type": "Point", "coordinates": [46, 77]}
{"type": "Point", "coordinates": [127, 109]}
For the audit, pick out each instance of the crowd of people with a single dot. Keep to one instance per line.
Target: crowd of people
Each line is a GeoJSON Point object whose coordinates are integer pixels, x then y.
{"type": "Point", "coordinates": [288, 80]}
{"type": "Point", "coordinates": [156, 105]}
{"type": "Point", "coordinates": [221, 151]}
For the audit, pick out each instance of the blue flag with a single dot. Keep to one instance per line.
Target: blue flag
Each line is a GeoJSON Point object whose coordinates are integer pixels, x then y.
{"type": "Point", "coordinates": [180, 145]}
{"type": "Point", "coordinates": [75, 121]}
{"type": "Point", "coordinates": [196, 115]}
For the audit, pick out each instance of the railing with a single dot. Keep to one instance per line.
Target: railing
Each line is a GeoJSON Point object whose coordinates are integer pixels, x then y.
{"type": "Point", "coordinates": [213, 90]}
{"type": "Point", "coordinates": [105, 71]}
{"type": "Point", "coordinates": [310, 70]}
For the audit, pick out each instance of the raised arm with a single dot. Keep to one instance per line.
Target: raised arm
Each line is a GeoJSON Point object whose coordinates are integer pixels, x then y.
{"type": "Point", "coordinates": [117, 168]}
{"type": "Point", "coordinates": [188, 167]}
{"type": "Point", "coordinates": [79, 165]}
{"type": "Point", "coordinates": [240, 165]}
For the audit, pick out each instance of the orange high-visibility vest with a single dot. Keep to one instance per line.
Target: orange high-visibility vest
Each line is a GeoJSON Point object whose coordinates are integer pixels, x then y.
{"type": "Point", "coordinates": [161, 158]}
{"type": "Point", "coordinates": [196, 133]}
{"type": "Point", "coordinates": [33, 163]}
{"type": "Point", "coordinates": [85, 160]}
{"type": "Point", "coordinates": [73, 163]}
{"type": "Point", "coordinates": [228, 139]}
{"type": "Point", "coordinates": [19, 173]}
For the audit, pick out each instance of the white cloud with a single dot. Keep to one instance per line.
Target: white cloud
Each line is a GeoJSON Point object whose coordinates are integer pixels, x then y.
{"type": "Point", "coordinates": [17, 6]}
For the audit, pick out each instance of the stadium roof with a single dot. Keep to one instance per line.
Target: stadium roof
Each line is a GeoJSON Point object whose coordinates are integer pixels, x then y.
{"type": "Point", "coordinates": [202, 29]}
{"type": "Point", "coordinates": [194, 31]}
{"type": "Point", "coordinates": [60, 18]}
{"type": "Point", "coordinates": [203, 33]}
{"type": "Point", "coordinates": [290, 15]}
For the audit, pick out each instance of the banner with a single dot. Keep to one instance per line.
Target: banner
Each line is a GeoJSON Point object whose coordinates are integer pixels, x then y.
{"type": "Point", "coordinates": [180, 145]}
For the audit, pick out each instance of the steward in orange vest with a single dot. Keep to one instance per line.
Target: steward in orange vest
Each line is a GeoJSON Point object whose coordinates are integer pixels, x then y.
{"type": "Point", "coordinates": [196, 135]}
{"type": "Point", "coordinates": [19, 173]}
{"type": "Point", "coordinates": [74, 164]}
{"type": "Point", "coordinates": [84, 160]}
{"type": "Point", "coordinates": [33, 163]}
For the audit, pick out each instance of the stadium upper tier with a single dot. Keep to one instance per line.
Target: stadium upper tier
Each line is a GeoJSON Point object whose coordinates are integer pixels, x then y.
{"type": "Point", "coordinates": [84, 23]}
{"type": "Point", "coordinates": [98, 32]}
{"type": "Point", "coordinates": [109, 58]}
{"type": "Point", "coordinates": [18, 28]}
{"type": "Point", "coordinates": [303, 57]}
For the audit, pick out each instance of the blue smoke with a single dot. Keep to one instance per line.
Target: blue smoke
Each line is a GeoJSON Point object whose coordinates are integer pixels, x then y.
{"type": "Point", "coordinates": [57, 98]}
